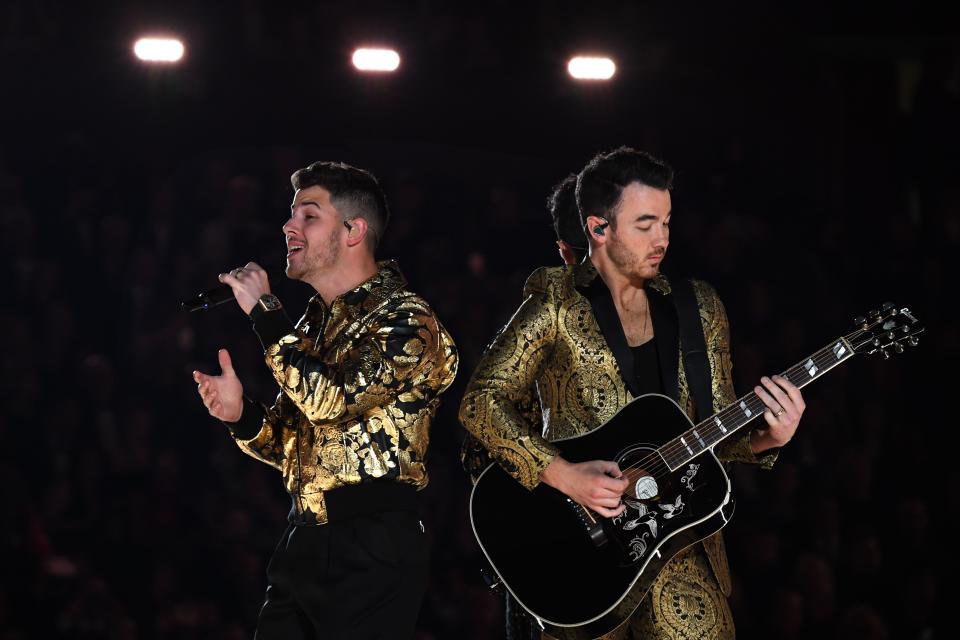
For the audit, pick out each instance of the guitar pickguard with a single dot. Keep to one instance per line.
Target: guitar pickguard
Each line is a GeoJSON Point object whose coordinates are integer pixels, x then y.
{"type": "Point", "coordinates": [654, 505]}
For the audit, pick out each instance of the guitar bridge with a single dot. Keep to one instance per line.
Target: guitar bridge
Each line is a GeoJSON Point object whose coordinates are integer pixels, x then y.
{"type": "Point", "coordinates": [593, 529]}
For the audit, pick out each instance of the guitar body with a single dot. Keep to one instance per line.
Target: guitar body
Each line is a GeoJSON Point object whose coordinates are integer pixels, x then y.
{"type": "Point", "coordinates": [582, 575]}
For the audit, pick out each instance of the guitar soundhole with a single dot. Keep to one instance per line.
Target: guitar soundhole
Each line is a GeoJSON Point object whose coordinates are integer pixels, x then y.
{"type": "Point", "coordinates": [637, 466]}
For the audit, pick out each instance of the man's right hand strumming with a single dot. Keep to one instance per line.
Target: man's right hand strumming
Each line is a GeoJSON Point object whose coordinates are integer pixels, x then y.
{"type": "Point", "coordinates": [222, 395]}
{"type": "Point", "coordinates": [597, 484]}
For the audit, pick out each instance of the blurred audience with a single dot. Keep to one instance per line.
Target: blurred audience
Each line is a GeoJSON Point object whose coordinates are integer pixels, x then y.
{"type": "Point", "coordinates": [129, 514]}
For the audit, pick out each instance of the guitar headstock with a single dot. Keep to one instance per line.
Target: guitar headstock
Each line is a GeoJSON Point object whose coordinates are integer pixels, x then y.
{"type": "Point", "coordinates": [886, 330]}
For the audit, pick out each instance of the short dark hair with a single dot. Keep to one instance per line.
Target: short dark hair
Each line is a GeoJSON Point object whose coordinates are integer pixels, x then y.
{"type": "Point", "coordinates": [355, 192]}
{"type": "Point", "coordinates": [600, 185]}
{"type": "Point", "coordinates": [562, 205]}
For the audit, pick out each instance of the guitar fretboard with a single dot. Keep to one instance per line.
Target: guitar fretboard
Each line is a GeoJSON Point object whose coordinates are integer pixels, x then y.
{"type": "Point", "coordinates": [693, 442]}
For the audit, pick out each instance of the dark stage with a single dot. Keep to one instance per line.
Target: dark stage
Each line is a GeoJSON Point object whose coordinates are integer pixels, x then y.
{"type": "Point", "coordinates": [816, 149]}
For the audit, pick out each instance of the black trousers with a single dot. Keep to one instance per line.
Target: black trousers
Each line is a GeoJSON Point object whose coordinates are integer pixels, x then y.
{"type": "Point", "coordinates": [358, 578]}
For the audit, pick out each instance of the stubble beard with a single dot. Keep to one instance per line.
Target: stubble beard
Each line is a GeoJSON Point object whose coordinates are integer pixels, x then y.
{"type": "Point", "coordinates": [316, 265]}
{"type": "Point", "coordinates": [628, 263]}
{"type": "Point", "coordinates": [622, 258]}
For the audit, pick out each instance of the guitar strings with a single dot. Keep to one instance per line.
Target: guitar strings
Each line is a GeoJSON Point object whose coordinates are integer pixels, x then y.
{"type": "Point", "coordinates": [751, 402]}
{"type": "Point", "coordinates": [654, 464]}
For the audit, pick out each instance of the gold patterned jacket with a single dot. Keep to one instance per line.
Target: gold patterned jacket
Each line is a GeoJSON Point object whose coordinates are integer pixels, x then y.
{"type": "Point", "coordinates": [360, 384]}
{"type": "Point", "coordinates": [553, 345]}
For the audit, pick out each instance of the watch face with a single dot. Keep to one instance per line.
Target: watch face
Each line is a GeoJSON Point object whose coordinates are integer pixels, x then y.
{"type": "Point", "coordinates": [270, 302]}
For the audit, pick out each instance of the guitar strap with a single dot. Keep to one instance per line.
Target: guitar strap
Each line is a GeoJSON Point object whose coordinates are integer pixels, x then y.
{"type": "Point", "coordinates": [685, 313]}
{"type": "Point", "coordinates": [694, 347]}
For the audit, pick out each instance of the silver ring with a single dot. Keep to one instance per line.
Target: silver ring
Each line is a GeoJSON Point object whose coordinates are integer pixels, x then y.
{"type": "Point", "coordinates": [780, 413]}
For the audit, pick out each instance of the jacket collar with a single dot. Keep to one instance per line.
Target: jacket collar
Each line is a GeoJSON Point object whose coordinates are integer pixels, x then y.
{"type": "Point", "coordinates": [663, 315]}
{"type": "Point", "coordinates": [356, 305]}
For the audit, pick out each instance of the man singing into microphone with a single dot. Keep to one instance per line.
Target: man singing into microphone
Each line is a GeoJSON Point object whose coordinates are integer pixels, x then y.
{"type": "Point", "coordinates": [360, 377]}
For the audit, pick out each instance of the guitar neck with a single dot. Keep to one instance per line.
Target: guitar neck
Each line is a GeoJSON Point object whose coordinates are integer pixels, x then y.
{"type": "Point", "coordinates": [743, 410]}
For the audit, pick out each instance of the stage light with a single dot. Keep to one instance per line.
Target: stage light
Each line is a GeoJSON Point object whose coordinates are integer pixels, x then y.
{"type": "Point", "coordinates": [591, 68]}
{"type": "Point", "coordinates": [158, 49]}
{"type": "Point", "coordinates": [376, 59]}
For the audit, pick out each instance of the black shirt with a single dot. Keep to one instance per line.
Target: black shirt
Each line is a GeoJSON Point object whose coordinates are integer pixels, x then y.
{"type": "Point", "coordinates": [646, 368]}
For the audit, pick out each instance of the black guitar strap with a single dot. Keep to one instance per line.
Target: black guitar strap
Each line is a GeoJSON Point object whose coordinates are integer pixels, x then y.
{"type": "Point", "coordinates": [694, 347]}
{"type": "Point", "coordinates": [601, 301]}
{"type": "Point", "coordinates": [692, 342]}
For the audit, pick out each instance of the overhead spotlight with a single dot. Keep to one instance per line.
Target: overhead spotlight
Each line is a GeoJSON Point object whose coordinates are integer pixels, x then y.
{"type": "Point", "coordinates": [383, 60]}
{"type": "Point", "coordinates": [591, 68]}
{"type": "Point", "coordinates": [158, 49]}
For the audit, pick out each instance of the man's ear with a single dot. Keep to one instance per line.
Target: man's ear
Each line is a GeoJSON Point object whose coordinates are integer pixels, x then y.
{"type": "Point", "coordinates": [567, 253]}
{"type": "Point", "coordinates": [595, 228]}
{"type": "Point", "coordinates": [356, 231]}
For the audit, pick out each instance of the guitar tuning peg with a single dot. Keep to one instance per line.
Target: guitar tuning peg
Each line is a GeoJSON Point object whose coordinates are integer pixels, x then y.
{"type": "Point", "coordinates": [912, 341]}
{"type": "Point", "coordinates": [886, 356]}
{"type": "Point", "coordinates": [898, 347]}
{"type": "Point", "coordinates": [887, 307]}
{"type": "Point", "coordinates": [891, 335]}
{"type": "Point", "coordinates": [876, 342]}
{"type": "Point", "coordinates": [860, 320]}
{"type": "Point", "coordinates": [873, 313]}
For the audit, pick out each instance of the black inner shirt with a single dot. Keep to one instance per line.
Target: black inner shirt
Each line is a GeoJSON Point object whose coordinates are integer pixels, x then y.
{"type": "Point", "coordinates": [646, 368]}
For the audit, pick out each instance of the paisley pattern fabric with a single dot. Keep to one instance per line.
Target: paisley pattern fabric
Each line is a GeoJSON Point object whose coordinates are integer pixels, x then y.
{"type": "Point", "coordinates": [360, 384]}
{"type": "Point", "coordinates": [552, 349]}
{"type": "Point", "coordinates": [685, 603]}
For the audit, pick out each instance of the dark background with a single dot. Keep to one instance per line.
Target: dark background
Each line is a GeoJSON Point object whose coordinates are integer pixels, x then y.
{"type": "Point", "coordinates": [816, 150]}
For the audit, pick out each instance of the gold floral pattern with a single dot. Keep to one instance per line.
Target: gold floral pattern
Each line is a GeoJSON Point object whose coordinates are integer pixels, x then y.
{"type": "Point", "coordinates": [360, 383]}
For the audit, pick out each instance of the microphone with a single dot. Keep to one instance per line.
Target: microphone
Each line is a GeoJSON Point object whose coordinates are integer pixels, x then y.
{"type": "Point", "coordinates": [214, 297]}
{"type": "Point", "coordinates": [209, 299]}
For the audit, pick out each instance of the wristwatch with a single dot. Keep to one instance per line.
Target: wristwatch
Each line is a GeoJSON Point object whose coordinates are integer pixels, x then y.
{"type": "Point", "coordinates": [269, 302]}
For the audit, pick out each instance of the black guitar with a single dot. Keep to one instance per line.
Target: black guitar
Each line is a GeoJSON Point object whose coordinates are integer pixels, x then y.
{"type": "Point", "coordinates": [580, 575]}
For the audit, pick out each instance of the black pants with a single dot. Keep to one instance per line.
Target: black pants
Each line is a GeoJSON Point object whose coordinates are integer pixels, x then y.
{"type": "Point", "coordinates": [359, 578]}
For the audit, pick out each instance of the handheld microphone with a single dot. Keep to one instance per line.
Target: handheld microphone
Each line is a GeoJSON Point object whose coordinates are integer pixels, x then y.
{"type": "Point", "coordinates": [209, 299]}
{"type": "Point", "coordinates": [214, 297]}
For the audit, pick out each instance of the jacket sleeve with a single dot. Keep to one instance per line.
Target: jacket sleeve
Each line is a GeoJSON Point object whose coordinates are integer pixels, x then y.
{"type": "Point", "coordinates": [716, 331]}
{"type": "Point", "coordinates": [474, 457]}
{"type": "Point", "coordinates": [494, 405]}
{"type": "Point", "coordinates": [402, 354]}
{"type": "Point", "coordinates": [263, 432]}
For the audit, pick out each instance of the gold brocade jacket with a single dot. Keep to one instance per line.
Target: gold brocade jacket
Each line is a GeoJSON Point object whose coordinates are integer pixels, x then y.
{"type": "Point", "coordinates": [360, 384]}
{"type": "Point", "coordinates": [553, 347]}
